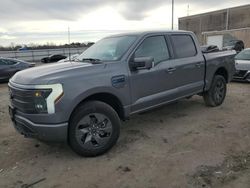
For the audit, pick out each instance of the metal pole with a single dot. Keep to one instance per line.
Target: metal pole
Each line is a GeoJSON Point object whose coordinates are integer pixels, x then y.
{"type": "Point", "coordinates": [69, 42]}
{"type": "Point", "coordinates": [33, 58]}
{"type": "Point", "coordinates": [227, 19]}
{"type": "Point", "coordinates": [172, 14]}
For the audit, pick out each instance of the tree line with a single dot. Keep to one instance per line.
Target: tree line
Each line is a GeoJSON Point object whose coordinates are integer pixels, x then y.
{"type": "Point", "coordinates": [17, 47]}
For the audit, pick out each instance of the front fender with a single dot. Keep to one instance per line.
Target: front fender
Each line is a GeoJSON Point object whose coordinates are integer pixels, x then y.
{"type": "Point", "coordinates": [107, 90]}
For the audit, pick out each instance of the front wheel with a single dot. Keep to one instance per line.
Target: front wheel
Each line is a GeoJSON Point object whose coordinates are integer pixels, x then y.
{"type": "Point", "coordinates": [94, 129]}
{"type": "Point", "coordinates": [217, 92]}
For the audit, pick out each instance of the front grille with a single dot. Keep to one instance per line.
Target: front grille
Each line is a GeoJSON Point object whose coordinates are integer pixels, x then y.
{"type": "Point", "coordinates": [240, 73]}
{"type": "Point", "coordinates": [22, 99]}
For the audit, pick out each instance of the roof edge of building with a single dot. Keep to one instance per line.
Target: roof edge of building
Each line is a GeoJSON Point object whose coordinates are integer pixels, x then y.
{"type": "Point", "coordinates": [238, 29]}
{"type": "Point", "coordinates": [215, 11]}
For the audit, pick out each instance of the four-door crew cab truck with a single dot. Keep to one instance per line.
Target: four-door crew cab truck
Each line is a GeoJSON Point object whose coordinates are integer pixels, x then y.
{"type": "Point", "coordinates": [82, 101]}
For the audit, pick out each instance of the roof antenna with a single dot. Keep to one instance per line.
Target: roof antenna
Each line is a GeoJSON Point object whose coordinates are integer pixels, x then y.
{"type": "Point", "coordinates": [69, 43]}
{"type": "Point", "coordinates": [188, 10]}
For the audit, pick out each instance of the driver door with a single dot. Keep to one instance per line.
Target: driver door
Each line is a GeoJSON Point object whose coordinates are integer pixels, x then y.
{"type": "Point", "coordinates": [151, 87]}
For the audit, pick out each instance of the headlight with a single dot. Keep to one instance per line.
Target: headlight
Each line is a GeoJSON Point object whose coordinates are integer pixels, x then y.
{"type": "Point", "coordinates": [46, 96]}
{"type": "Point", "coordinates": [40, 102]}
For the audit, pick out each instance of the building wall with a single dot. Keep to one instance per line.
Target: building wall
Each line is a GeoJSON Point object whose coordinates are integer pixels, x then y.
{"type": "Point", "coordinates": [226, 19]}
{"type": "Point", "coordinates": [239, 17]}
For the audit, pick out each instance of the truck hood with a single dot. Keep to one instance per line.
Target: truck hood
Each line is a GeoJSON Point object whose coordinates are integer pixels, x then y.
{"type": "Point", "coordinates": [242, 65]}
{"type": "Point", "coordinates": [47, 73]}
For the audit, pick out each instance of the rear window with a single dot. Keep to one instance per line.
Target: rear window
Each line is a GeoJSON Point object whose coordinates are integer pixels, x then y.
{"type": "Point", "coordinates": [7, 62]}
{"type": "Point", "coordinates": [184, 46]}
{"type": "Point", "coordinates": [10, 62]}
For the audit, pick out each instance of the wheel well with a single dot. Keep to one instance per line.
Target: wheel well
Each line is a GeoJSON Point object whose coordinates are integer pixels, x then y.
{"type": "Point", "coordinates": [223, 72]}
{"type": "Point", "coordinates": [107, 98]}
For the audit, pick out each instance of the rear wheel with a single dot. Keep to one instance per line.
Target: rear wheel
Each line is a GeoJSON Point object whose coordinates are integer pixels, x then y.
{"type": "Point", "coordinates": [94, 129]}
{"type": "Point", "coordinates": [217, 92]}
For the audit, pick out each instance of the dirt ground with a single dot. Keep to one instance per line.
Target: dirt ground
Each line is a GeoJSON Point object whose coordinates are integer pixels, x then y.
{"type": "Point", "coordinates": [185, 144]}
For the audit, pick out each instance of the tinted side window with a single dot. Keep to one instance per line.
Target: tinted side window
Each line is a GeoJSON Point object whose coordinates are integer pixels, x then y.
{"type": "Point", "coordinates": [10, 62]}
{"type": "Point", "coordinates": [55, 57]}
{"type": "Point", "coordinates": [155, 47]}
{"type": "Point", "coordinates": [184, 46]}
{"type": "Point", "coordinates": [2, 62]}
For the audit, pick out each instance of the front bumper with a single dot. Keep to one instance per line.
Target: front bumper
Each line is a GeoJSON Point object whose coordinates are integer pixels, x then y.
{"type": "Point", "coordinates": [242, 76]}
{"type": "Point", "coordinates": [44, 132]}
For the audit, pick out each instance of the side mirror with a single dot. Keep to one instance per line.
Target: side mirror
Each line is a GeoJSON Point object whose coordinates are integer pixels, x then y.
{"type": "Point", "coordinates": [141, 63]}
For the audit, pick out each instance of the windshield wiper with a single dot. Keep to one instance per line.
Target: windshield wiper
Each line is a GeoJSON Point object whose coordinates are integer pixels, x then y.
{"type": "Point", "coordinates": [92, 60]}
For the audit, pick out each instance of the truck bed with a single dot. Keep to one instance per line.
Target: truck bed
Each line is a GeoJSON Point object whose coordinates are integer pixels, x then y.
{"type": "Point", "coordinates": [215, 60]}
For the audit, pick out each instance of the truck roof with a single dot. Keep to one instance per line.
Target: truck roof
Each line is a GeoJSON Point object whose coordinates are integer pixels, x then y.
{"type": "Point", "coordinates": [142, 33]}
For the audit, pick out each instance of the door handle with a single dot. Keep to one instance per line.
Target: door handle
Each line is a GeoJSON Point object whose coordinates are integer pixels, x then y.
{"type": "Point", "coordinates": [171, 70]}
{"type": "Point", "coordinates": [198, 64]}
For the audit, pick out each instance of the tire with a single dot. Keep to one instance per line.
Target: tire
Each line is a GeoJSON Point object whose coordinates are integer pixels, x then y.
{"type": "Point", "coordinates": [217, 92]}
{"type": "Point", "coordinates": [94, 129]}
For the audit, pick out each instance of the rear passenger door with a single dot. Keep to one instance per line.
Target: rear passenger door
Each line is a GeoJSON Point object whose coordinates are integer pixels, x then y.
{"type": "Point", "coordinates": [188, 64]}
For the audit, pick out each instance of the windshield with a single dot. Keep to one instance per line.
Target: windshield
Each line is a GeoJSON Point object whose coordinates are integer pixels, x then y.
{"type": "Point", "coordinates": [108, 49]}
{"type": "Point", "coordinates": [243, 55]}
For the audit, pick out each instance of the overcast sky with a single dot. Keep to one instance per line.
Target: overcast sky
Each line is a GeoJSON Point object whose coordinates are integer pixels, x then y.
{"type": "Point", "coordinates": [41, 21]}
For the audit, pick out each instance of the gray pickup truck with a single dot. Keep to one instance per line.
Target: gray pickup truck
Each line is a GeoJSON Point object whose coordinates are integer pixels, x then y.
{"type": "Point", "coordinates": [82, 101]}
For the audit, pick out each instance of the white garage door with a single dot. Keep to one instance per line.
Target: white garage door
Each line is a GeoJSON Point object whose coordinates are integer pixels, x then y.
{"type": "Point", "coordinates": [215, 40]}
